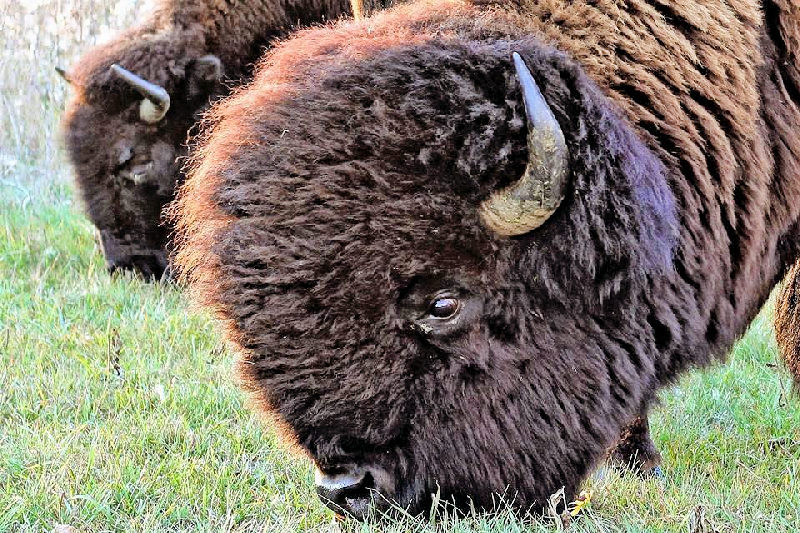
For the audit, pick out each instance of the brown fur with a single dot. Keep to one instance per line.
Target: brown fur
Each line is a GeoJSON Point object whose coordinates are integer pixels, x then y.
{"type": "Point", "coordinates": [787, 323]}
{"type": "Point", "coordinates": [332, 196]}
{"type": "Point", "coordinates": [108, 144]}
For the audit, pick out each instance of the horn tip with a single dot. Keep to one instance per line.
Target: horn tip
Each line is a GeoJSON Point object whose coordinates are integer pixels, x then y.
{"type": "Point", "coordinates": [520, 65]}
{"type": "Point", "coordinates": [63, 74]}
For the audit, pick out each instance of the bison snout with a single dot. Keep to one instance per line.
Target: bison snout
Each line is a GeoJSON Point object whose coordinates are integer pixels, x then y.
{"type": "Point", "coordinates": [351, 491]}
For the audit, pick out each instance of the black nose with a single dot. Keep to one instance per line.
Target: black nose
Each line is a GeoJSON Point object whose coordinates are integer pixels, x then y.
{"type": "Point", "coordinates": [347, 492]}
{"type": "Point", "coordinates": [151, 267]}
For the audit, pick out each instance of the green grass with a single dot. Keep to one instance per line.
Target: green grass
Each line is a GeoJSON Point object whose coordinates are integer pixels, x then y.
{"type": "Point", "coordinates": [118, 413]}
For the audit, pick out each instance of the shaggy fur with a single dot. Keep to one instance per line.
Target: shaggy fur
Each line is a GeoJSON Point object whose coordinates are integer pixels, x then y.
{"type": "Point", "coordinates": [126, 170]}
{"type": "Point", "coordinates": [787, 323]}
{"type": "Point", "coordinates": [335, 197]}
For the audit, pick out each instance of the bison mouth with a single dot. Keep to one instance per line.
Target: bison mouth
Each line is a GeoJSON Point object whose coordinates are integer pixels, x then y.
{"type": "Point", "coordinates": [123, 253]}
{"type": "Point", "coordinates": [360, 493]}
{"type": "Point", "coordinates": [356, 491]}
{"type": "Point", "coordinates": [347, 494]}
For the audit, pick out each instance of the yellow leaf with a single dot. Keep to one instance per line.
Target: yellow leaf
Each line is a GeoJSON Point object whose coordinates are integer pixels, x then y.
{"type": "Point", "coordinates": [584, 499]}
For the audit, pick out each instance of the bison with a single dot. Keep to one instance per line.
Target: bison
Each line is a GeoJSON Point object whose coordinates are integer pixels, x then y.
{"type": "Point", "coordinates": [461, 245]}
{"type": "Point", "coordinates": [137, 97]}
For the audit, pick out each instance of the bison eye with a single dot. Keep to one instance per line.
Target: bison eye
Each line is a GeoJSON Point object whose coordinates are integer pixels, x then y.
{"type": "Point", "coordinates": [444, 307]}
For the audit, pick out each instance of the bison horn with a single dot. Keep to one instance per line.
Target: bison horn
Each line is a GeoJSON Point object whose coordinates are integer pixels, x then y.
{"type": "Point", "coordinates": [156, 100]}
{"type": "Point", "coordinates": [63, 73]}
{"type": "Point", "coordinates": [527, 203]}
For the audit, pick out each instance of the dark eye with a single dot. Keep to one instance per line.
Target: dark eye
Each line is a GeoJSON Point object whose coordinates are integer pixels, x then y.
{"type": "Point", "coordinates": [444, 307]}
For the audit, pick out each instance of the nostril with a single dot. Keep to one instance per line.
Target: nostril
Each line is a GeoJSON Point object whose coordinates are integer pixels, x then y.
{"type": "Point", "coordinates": [337, 485]}
{"type": "Point", "coordinates": [347, 493]}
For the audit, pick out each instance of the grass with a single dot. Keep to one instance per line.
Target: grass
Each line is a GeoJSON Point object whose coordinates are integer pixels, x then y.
{"type": "Point", "coordinates": [118, 411]}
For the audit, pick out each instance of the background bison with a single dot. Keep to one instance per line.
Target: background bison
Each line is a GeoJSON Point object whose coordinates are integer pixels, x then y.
{"type": "Point", "coordinates": [126, 127]}
{"type": "Point", "coordinates": [336, 218]}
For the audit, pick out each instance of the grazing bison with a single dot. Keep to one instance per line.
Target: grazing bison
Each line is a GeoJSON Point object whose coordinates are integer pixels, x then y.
{"type": "Point", "coordinates": [138, 96]}
{"type": "Point", "coordinates": [460, 246]}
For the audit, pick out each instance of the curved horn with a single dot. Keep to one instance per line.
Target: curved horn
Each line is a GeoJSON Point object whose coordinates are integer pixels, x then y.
{"type": "Point", "coordinates": [63, 73]}
{"type": "Point", "coordinates": [156, 100]}
{"type": "Point", "coordinates": [526, 204]}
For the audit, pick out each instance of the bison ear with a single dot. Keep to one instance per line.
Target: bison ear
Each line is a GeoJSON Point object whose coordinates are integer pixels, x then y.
{"type": "Point", "coordinates": [206, 69]}
{"type": "Point", "coordinates": [203, 75]}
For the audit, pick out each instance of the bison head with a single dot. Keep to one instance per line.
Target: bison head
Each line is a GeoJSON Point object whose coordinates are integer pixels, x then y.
{"type": "Point", "coordinates": [125, 128]}
{"type": "Point", "coordinates": [433, 245]}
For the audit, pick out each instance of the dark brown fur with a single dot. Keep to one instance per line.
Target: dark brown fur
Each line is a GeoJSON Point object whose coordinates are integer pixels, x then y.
{"type": "Point", "coordinates": [107, 142]}
{"type": "Point", "coordinates": [339, 191]}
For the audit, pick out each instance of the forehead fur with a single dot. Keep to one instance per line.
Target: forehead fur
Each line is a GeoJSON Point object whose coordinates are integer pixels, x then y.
{"type": "Point", "coordinates": [346, 209]}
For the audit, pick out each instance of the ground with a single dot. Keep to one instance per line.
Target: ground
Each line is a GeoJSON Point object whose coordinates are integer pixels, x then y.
{"type": "Point", "coordinates": [118, 411]}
